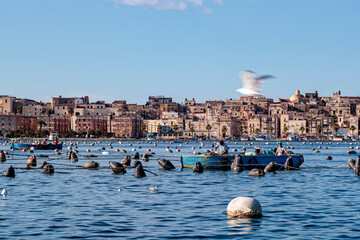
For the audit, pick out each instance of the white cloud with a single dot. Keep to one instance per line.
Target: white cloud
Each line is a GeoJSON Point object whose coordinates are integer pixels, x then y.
{"type": "Point", "coordinates": [167, 4]}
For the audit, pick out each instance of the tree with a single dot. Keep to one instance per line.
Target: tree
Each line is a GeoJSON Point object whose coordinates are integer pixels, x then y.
{"type": "Point", "coordinates": [192, 130]}
{"type": "Point", "coordinates": [159, 128]}
{"type": "Point", "coordinates": [352, 129]}
{"type": "Point", "coordinates": [143, 128]}
{"type": "Point", "coordinates": [98, 132]}
{"type": "Point", "coordinates": [318, 129]}
{"type": "Point", "coordinates": [41, 123]}
{"type": "Point", "coordinates": [271, 129]}
{"type": "Point", "coordinates": [336, 127]}
{"type": "Point", "coordinates": [224, 130]}
{"type": "Point", "coordinates": [71, 111]}
{"type": "Point", "coordinates": [257, 131]}
{"type": "Point", "coordinates": [208, 128]}
{"type": "Point", "coordinates": [175, 128]}
{"type": "Point", "coordinates": [49, 112]}
{"type": "Point", "coordinates": [302, 129]}
{"type": "Point", "coordinates": [285, 130]}
{"type": "Point", "coordinates": [19, 110]}
{"type": "Point", "coordinates": [240, 129]}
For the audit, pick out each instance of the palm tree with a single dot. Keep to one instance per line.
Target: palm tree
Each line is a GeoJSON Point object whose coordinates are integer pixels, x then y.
{"type": "Point", "coordinates": [224, 130]}
{"type": "Point", "coordinates": [285, 130]}
{"type": "Point", "coordinates": [143, 128]}
{"type": "Point", "coordinates": [302, 129]}
{"type": "Point", "coordinates": [41, 123]}
{"type": "Point", "coordinates": [336, 127]}
{"type": "Point", "coordinates": [352, 129]}
{"type": "Point", "coordinates": [19, 110]}
{"type": "Point", "coordinates": [71, 111]}
{"type": "Point", "coordinates": [159, 128]}
{"type": "Point", "coordinates": [318, 129]}
{"type": "Point", "coordinates": [98, 132]}
{"type": "Point", "coordinates": [271, 129]}
{"type": "Point", "coordinates": [49, 111]}
{"type": "Point", "coordinates": [175, 128]}
{"type": "Point", "coordinates": [240, 129]}
{"type": "Point", "coordinates": [208, 128]}
{"type": "Point", "coordinates": [192, 130]}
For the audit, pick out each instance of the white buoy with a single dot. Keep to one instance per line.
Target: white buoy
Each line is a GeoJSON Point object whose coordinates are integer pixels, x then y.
{"type": "Point", "coordinates": [105, 153]}
{"type": "Point", "coordinates": [244, 207]}
{"type": "Point", "coordinates": [3, 192]}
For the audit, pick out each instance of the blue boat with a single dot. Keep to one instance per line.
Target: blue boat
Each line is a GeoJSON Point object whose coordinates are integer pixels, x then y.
{"type": "Point", "coordinates": [49, 146]}
{"type": "Point", "coordinates": [250, 161]}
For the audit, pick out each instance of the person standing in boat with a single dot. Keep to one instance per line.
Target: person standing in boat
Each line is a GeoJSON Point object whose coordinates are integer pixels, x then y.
{"type": "Point", "coordinates": [222, 148]}
{"type": "Point", "coordinates": [280, 150]}
{"type": "Point", "coordinates": [56, 140]}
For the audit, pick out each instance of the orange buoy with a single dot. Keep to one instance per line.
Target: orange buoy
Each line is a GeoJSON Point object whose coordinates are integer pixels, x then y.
{"type": "Point", "coordinates": [357, 147]}
{"type": "Point", "coordinates": [24, 149]}
{"type": "Point", "coordinates": [177, 150]}
{"type": "Point", "coordinates": [117, 150]}
{"type": "Point", "coordinates": [211, 149]}
{"type": "Point", "coordinates": [149, 150]}
{"type": "Point", "coordinates": [88, 150]}
{"type": "Point", "coordinates": [192, 147]}
{"type": "Point", "coordinates": [6, 153]}
{"type": "Point", "coordinates": [56, 150]}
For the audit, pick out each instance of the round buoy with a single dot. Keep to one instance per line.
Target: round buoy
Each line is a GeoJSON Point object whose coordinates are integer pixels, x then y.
{"type": "Point", "coordinates": [6, 153]}
{"type": "Point", "coordinates": [87, 150]}
{"type": "Point", "coordinates": [244, 207]}
{"type": "Point", "coordinates": [177, 150]}
{"type": "Point", "coordinates": [149, 150]}
{"type": "Point", "coordinates": [117, 150]}
{"type": "Point", "coordinates": [24, 150]}
{"type": "Point", "coordinates": [56, 150]}
{"type": "Point", "coordinates": [192, 147]}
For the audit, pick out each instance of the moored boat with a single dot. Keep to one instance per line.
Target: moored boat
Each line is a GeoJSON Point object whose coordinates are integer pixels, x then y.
{"type": "Point", "coordinates": [250, 161]}
{"type": "Point", "coordinates": [49, 146]}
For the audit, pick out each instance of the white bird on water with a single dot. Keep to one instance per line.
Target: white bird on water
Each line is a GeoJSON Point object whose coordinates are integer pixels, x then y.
{"type": "Point", "coordinates": [251, 84]}
{"type": "Point", "coordinates": [153, 189]}
{"type": "Point", "coordinates": [3, 192]}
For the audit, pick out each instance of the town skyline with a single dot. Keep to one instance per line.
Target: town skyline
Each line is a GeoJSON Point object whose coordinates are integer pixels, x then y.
{"type": "Point", "coordinates": [307, 114]}
{"type": "Point", "coordinates": [94, 99]}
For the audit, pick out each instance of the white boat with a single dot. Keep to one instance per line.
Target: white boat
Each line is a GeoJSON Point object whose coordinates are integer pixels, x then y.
{"type": "Point", "coordinates": [338, 139]}
{"type": "Point", "coordinates": [52, 136]}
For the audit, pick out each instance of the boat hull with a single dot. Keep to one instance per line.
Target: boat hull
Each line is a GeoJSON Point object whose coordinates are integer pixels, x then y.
{"type": "Point", "coordinates": [37, 146]}
{"type": "Point", "coordinates": [224, 161]}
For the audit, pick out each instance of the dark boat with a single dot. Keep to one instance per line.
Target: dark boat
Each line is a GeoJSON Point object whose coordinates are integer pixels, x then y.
{"type": "Point", "coordinates": [48, 146]}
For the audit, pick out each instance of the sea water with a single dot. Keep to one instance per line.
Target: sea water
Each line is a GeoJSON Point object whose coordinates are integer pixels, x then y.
{"type": "Point", "coordinates": [320, 202]}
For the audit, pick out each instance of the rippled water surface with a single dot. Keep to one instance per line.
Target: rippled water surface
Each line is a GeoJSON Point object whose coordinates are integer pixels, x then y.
{"type": "Point", "coordinates": [322, 201]}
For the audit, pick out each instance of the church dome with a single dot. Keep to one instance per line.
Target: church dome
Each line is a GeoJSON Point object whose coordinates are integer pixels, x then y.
{"type": "Point", "coordinates": [296, 96]}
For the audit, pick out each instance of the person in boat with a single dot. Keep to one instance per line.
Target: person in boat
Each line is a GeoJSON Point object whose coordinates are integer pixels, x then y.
{"type": "Point", "coordinates": [56, 140]}
{"type": "Point", "coordinates": [280, 150]}
{"type": "Point", "coordinates": [257, 150]}
{"type": "Point", "coordinates": [221, 148]}
{"type": "Point", "coordinates": [44, 142]}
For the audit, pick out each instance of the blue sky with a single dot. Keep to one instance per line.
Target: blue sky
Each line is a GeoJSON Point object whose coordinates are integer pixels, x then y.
{"type": "Point", "coordinates": [130, 49]}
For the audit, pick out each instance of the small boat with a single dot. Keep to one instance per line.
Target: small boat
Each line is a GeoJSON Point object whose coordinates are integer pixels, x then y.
{"type": "Point", "coordinates": [250, 161]}
{"type": "Point", "coordinates": [49, 146]}
{"type": "Point", "coordinates": [150, 137]}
